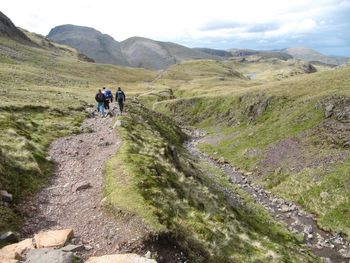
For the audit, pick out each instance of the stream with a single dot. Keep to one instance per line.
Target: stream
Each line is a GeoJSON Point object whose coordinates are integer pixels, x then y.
{"type": "Point", "coordinates": [332, 247]}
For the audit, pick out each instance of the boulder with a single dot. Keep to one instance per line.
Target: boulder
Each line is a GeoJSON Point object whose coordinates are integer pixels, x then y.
{"type": "Point", "coordinates": [120, 258]}
{"type": "Point", "coordinates": [54, 238]}
{"type": "Point", "coordinates": [18, 248]}
{"type": "Point", "coordinates": [8, 255]}
{"type": "Point", "coordinates": [46, 255]}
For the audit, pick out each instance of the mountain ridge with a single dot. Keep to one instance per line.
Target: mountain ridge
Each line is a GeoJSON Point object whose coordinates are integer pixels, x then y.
{"type": "Point", "coordinates": [133, 52]}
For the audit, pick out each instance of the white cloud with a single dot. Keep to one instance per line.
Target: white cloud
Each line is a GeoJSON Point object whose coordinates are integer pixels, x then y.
{"type": "Point", "coordinates": [183, 21]}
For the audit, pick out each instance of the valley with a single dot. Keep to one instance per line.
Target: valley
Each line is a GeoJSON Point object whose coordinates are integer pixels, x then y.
{"type": "Point", "coordinates": [230, 159]}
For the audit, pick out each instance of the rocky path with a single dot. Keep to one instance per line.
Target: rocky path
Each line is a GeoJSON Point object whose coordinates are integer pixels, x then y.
{"type": "Point", "coordinates": [73, 197]}
{"type": "Point", "coordinates": [333, 248]}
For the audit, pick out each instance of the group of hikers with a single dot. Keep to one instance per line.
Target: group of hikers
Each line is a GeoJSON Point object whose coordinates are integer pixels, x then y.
{"type": "Point", "coordinates": [105, 96]}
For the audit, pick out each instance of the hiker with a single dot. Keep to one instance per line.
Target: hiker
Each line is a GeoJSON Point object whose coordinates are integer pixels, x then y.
{"type": "Point", "coordinates": [100, 98]}
{"type": "Point", "coordinates": [120, 97]}
{"type": "Point", "coordinates": [108, 97]}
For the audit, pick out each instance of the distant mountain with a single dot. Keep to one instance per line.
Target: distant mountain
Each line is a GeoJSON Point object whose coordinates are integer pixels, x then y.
{"type": "Point", "coordinates": [215, 52]}
{"type": "Point", "coordinates": [100, 47]}
{"type": "Point", "coordinates": [151, 54]}
{"type": "Point", "coordinates": [308, 54]}
{"type": "Point", "coordinates": [9, 30]}
{"type": "Point", "coordinates": [261, 53]}
{"type": "Point", "coordinates": [134, 52]}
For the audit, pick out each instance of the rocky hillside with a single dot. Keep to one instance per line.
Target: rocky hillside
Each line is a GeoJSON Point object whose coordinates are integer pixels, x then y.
{"type": "Point", "coordinates": [9, 30]}
{"type": "Point", "coordinates": [312, 55]}
{"type": "Point", "coordinates": [260, 53]}
{"type": "Point", "coordinates": [134, 52]}
{"type": "Point", "coordinates": [100, 47]}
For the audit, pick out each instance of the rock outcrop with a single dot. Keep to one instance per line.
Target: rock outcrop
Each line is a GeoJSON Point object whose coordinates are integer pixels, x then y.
{"type": "Point", "coordinates": [9, 30]}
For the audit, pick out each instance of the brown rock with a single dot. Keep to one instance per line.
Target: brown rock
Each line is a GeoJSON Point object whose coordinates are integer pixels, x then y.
{"type": "Point", "coordinates": [54, 238]}
{"type": "Point", "coordinates": [7, 255]}
{"type": "Point", "coordinates": [17, 248]}
{"type": "Point", "coordinates": [120, 258]}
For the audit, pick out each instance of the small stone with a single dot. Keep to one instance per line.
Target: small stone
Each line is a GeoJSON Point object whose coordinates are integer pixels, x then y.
{"type": "Point", "coordinates": [324, 195]}
{"type": "Point", "coordinates": [284, 208]}
{"type": "Point", "coordinates": [73, 248]}
{"type": "Point", "coordinates": [81, 186]}
{"type": "Point", "coordinates": [308, 229]}
{"type": "Point", "coordinates": [221, 160]}
{"type": "Point", "coordinates": [326, 260]}
{"type": "Point", "coordinates": [9, 237]}
{"type": "Point", "coordinates": [120, 258]}
{"type": "Point", "coordinates": [118, 123]}
{"type": "Point", "coordinates": [5, 196]}
{"type": "Point", "coordinates": [148, 254]}
{"type": "Point", "coordinates": [329, 110]}
{"type": "Point", "coordinates": [345, 253]}
{"type": "Point", "coordinates": [88, 247]}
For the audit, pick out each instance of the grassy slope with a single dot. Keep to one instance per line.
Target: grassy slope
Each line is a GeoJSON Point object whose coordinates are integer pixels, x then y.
{"type": "Point", "coordinates": [43, 93]}
{"type": "Point", "coordinates": [161, 183]}
{"type": "Point", "coordinates": [244, 132]}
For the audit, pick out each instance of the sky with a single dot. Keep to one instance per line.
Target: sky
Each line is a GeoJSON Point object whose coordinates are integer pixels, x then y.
{"type": "Point", "coordinates": [323, 25]}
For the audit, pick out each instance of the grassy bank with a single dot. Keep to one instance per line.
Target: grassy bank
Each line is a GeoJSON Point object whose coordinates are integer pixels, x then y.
{"type": "Point", "coordinates": [158, 181]}
{"type": "Point", "coordinates": [280, 132]}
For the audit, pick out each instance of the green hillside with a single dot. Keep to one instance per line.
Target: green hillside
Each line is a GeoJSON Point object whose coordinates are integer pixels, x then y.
{"type": "Point", "coordinates": [44, 91]}
{"type": "Point", "coordinates": [270, 117]}
{"type": "Point", "coordinates": [293, 135]}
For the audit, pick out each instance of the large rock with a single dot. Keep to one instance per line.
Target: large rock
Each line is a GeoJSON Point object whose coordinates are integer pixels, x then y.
{"type": "Point", "coordinates": [17, 249]}
{"type": "Point", "coordinates": [121, 258]}
{"type": "Point", "coordinates": [6, 256]}
{"type": "Point", "coordinates": [47, 255]}
{"type": "Point", "coordinates": [54, 238]}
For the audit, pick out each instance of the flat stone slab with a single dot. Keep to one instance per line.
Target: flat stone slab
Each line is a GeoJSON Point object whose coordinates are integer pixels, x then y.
{"type": "Point", "coordinates": [54, 238]}
{"type": "Point", "coordinates": [120, 258]}
{"type": "Point", "coordinates": [49, 255]}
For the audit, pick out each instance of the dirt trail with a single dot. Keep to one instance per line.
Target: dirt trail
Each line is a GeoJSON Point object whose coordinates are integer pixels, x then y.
{"type": "Point", "coordinates": [73, 197]}
{"type": "Point", "coordinates": [332, 247]}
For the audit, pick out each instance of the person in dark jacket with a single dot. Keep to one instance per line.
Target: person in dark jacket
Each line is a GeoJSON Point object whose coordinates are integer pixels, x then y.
{"type": "Point", "coordinates": [120, 97]}
{"type": "Point", "coordinates": [100, 98]}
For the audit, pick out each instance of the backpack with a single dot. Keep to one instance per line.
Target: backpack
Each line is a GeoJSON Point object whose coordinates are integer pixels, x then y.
{"type": "Point", "coordinates": [100, 97]}
{"type": "Point", "coordinates": [108, 93]}
{"type": "Point", "coordinates": [120, 95]}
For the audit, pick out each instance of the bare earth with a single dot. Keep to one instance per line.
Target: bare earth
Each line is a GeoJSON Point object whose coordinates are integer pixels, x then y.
{"type": "Point", "coordinates": [79, 161]}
